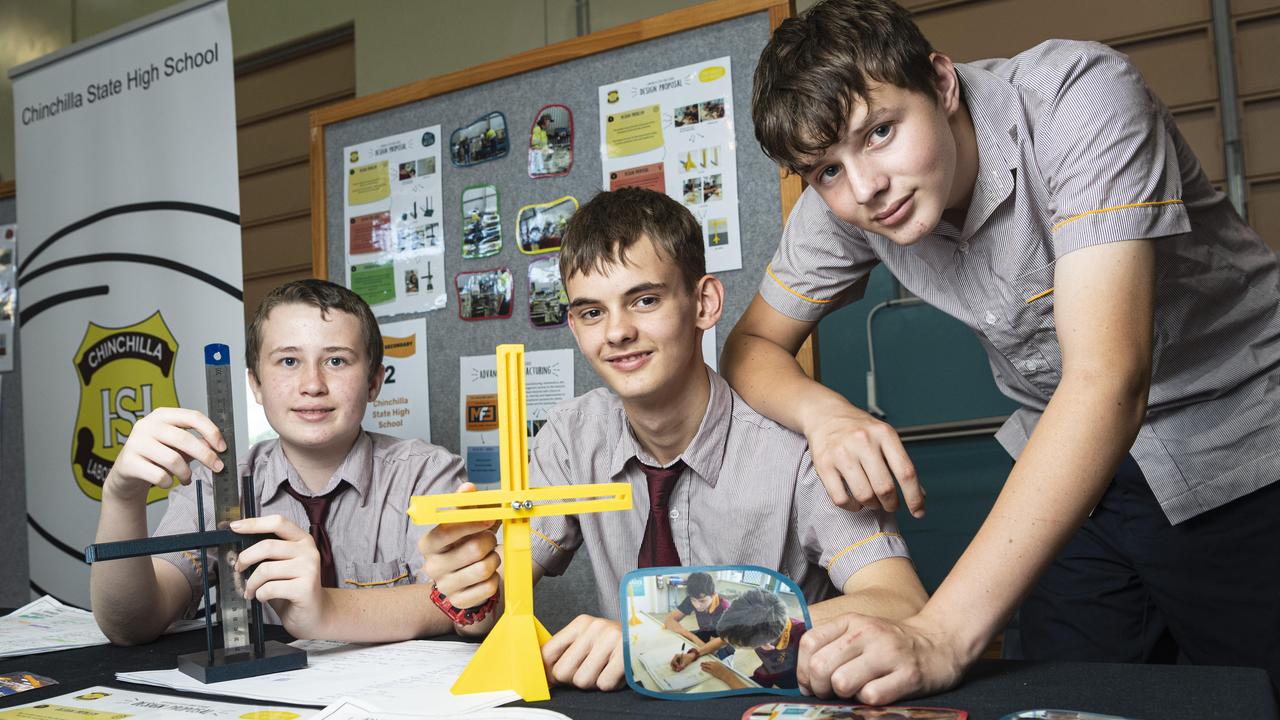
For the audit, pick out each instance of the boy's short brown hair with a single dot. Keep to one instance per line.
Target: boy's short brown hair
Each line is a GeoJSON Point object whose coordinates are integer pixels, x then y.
{"type": "Point", "coordinates": [817, 66]}
{"type": "Point", "coordinates": [326, 296]}
{"type": "Point", "coordinates": [600, 232]}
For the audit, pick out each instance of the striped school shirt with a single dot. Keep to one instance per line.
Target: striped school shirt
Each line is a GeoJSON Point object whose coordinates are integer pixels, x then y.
{"type": "Point", "coordinates": [749, 495]}
{"type": "Point", "coordinates": [1075, 150]}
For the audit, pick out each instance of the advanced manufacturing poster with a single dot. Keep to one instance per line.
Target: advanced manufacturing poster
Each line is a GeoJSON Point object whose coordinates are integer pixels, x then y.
{"type": "Point", "coordinates": [672, 131]}
{"type": "Point", "coordinates": [394, 223]}
{"type": "Point", "coordinates": [548, 381]}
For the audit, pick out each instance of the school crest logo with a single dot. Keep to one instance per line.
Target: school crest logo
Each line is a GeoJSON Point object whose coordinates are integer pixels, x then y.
{"type": "Point", "coordinates": [124, 373]}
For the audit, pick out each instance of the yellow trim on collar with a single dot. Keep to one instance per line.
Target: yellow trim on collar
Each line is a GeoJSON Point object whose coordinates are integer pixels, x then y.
{"type": "Point", "coordinates": [785, 640]}
{"type": "Point", "coordinates": [769, 269]}
{"type": "Point", "coordinates": [1073, 218]}
{"type": "Point", "coordinates": [858, 544]}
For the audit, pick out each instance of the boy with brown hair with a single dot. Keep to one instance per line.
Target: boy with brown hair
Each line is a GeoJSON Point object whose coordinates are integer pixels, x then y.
{"type": "Point", "coordinates": [1048, 202]}
{"type": "Point", "coordinates": [713, 482]}
{"type": "Point", "coordinates": [314, 354]}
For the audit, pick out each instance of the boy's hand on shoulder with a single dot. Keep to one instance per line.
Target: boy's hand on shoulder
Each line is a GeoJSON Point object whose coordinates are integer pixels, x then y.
{"type": "Point", "coordinates": [587, 654]}
{"type": "Point", "coordinates": [858, 458]}
{"type": "Point", "coordinates": [159, 448]}
{"type": "Point", "coordinates": [462, 560]}
{"type": "Point", "coordinates": [287, 573]}
{"type": "Point", "coordinates": [877, 661]}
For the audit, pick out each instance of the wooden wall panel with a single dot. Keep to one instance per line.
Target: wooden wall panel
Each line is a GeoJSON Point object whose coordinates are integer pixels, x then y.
{"type": "Point", "coordinates": [1261, 126]}
{"type": "Point", "coordinates": [1243, 7]}
{"type": "Point", "coordinates": [278, 245]}
{"type": "Point", "coordinates": [256, 288]}
{"type": "Point", "coordinates": [298, 83]}
{"type": "Point", "coordinates": [274, 193]}
{"type": "Point", "coordinates": [1000, 28]}
{"type": "Point", "coordinates": [274, 141]}
{"type": "Point", "coordinates": [1264, 210]}
{"type": "Point", "coordinates": [1257, 45]}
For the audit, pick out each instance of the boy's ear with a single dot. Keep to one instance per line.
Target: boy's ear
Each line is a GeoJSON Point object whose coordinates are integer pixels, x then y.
{"type": "Point", "coordinates": [709, 294]}
{"type": "Point", "coordinates": [255, 386]}
{"type": "Point", "coordinates": [946, 82]}
{"type": "Point", "coordinates": [375, 383]}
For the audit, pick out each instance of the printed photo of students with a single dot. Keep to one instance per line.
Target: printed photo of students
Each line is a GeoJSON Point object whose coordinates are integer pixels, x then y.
{"type": "Point", "coordinates": [705, 604]}
{"type": "Point", "coordinates": [758, 620]}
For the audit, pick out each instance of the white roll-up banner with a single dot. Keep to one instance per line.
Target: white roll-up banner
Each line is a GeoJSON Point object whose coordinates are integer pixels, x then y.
{"type": "Point", "coordinates": [128, 262]}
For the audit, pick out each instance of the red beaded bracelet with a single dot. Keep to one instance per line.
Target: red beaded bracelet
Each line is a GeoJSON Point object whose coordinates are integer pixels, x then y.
{"type": "Point", "coordinates": [463, 616]}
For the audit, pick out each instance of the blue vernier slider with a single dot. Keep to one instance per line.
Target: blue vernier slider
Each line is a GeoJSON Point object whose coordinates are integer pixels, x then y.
{"type": "Point", "coordinates": [217, 354]}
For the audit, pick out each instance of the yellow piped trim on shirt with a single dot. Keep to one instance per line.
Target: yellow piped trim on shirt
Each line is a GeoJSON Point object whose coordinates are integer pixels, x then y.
{"type": "Point", "coordinates": [395, 579]}
{"type": "Point", "coordinates": [859, 544]}
{"type": "Point", "coordinates": [1073, 218]}
{"type": "Point", "coordinates": [1037, 296]}
{"type": "Point", "coordinates": [769, 269]}
{"type": "Point", "coordinates": [785, 639]}
{"type": "Point", "coordinates": [551, 542]}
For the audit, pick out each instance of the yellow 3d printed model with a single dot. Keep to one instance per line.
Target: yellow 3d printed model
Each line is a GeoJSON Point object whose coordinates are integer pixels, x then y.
{"type": "Point", "coordinates": [511, 657]}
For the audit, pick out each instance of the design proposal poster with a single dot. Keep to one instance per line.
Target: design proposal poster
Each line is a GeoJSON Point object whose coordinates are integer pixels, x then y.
{"type": "Point", "coordinates": [8, 293]}
{"type": "Point", "coordinates": [394, 222]}
{"type": "Point", "coordinates": [548, 381]}
{"type": "Point", "coordinates": [673, 132]}
{"type": "Point", "coordinates": [403, 408]}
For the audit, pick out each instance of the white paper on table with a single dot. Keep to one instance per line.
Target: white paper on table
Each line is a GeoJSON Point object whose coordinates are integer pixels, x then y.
{"type": "Point", "coordinates": [45, 625]}
{"type": "Point", "coordinates": [658, 662]}
{"type": "Point", "coordinates": [102, 701]}
{"type": "Point", "coordinates": [400, 677]}
{"type": "Point", "coordinates": [349, 709]}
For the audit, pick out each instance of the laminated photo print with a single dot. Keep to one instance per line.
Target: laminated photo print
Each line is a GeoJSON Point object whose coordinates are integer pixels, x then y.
{"type": "Point", "coordinates": [548, 301]}
{"type": "Point", "coordinates": [816, 711]}
{"type": "Point", "coordinates": [551, 142]}
{"type": "Point", "coordinates": [691, 633]}
{"type": "Point", "coordinates": [539, 227]}
{"type": "Point", "coordinates": [484, 139]}
{"type": "Point", "coordinates": [481, 225]}
{"type": "Point", "coordinates": [484, 295]}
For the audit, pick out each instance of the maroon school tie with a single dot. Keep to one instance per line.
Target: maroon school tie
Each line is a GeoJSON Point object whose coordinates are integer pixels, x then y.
{"type": "Point", "coordinates": [317, 508]}
{"type": "Point", "coordinates": [658, 549]}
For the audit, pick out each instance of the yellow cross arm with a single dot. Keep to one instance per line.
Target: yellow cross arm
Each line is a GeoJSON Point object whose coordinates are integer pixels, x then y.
{"type": "Point", "coordinates": [519, 504]}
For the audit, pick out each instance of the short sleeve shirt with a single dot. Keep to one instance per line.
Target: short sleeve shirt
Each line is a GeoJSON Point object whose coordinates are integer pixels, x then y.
{"type": "Point", "coordinates": [374, 542]}
{"type": "Point", "coordinates": [706, 620]}
{"type": "Point", "coordinates": [748, 496]}
{"type": "Point", "coordinates": [1074, 151]}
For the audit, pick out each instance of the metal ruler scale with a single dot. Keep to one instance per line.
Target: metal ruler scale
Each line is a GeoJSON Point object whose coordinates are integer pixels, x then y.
{"type": "Point", "coordinates": [233, 608]}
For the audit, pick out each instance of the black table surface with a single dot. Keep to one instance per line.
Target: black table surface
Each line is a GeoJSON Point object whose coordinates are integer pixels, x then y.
{"type": "Point", "coordinates": [993, 688]}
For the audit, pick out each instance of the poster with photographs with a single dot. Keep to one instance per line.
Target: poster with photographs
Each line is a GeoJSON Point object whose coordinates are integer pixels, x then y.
{"type": "Point", "coordinates": [814, 711]}
{"type": "Point", "coordinates": [485, 294]}
{"type": "Point", "coordinates": [672, 132]}
{"type": "Point", "coordinates": [394, 221]}
{"type": "Point", "coordinates": [8, 293]}
{"type": "Point", "coordinates": [548, 302]}
{"type": "Point", "coordinates": [548, 381]}
{"type": "Point", "coordinates": [481, 224]}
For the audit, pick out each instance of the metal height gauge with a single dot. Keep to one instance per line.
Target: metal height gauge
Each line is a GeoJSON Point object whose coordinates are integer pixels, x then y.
{"type": "Point", "coordinates": [233, 608]}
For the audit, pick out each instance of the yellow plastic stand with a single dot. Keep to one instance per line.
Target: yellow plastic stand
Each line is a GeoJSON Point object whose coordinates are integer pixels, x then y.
{"type": "Point", "coordinates": [511, 657]}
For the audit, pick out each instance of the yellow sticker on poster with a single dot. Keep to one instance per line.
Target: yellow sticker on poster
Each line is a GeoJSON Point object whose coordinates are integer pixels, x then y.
{"type": "Point", "coordinates": [368, 183]}
{"type": "Point", "coordinates": [628, 132]}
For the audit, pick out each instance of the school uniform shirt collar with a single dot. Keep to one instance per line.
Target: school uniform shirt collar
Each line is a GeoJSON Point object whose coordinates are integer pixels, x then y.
{"type": "Point", "coordinates": [356, 470]}
{"type": "Point", "coordinates": [705, 453]}
{"type": "Point", "coordinates": [994, 106]}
